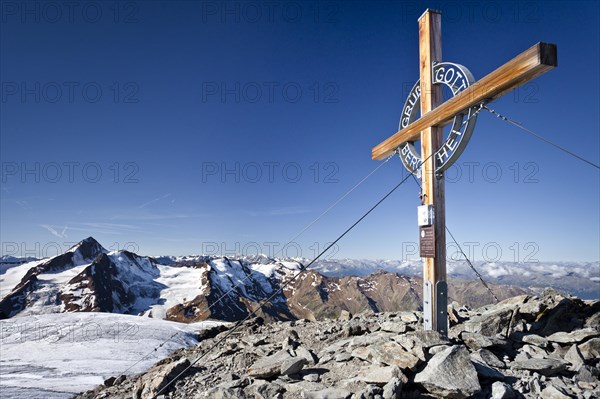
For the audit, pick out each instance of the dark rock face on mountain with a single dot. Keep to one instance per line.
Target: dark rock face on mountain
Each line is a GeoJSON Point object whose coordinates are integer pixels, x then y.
{"type": "Point", "coordinates": [98, 280]}
{"type": "Point", "coordinates": [506, 350]}
{"type": "Point", "coordinates": [313, 296]}
{"type": "Point", "coordinates": [17, 300]}
{"type": "Point", "coordinates": [103, 287]}
{"type": "Point", "coordinates": [115, 283]}
{"type": "Point", "coordinates": [120, 282]}
{"type": "Point", "coordinates": [231, 290]}
{"type": "Point", "coordinates": [83, 252]}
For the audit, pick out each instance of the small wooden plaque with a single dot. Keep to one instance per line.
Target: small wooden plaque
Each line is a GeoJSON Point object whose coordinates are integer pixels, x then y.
{"type": "Point", "coordinates": [427, 241]}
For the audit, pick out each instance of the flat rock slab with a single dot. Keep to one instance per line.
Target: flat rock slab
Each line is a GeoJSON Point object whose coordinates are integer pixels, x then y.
{"type": "Point", "coordinates": [534, 351]}
{"type": "Point", "coordinates": [547, 367]}
{"type": "Point", "coordinates": [255, 340]}
{"type": "Point", "coordinates": [536, 340]}
{"type": "Point", "coordinates": [299, 388]}
{"type": "Point", "coordinates": [487, 357]}
{"type": "Point", "coordinates": [277, 364]}
{"type": "Point", "coordinates": [408, 317]}
{"type": "Point", "coordinates": [427, 339]}
{"type": "Point", "coordinates": [450, 374]}
{"type": "Point", "coordinates": [388, 353]}
{"type": "Point", "coordinates": [421, 340]}
{"type": "Point", "coordinates": [393, 326]}
{"type": "Point", "coordinates": [573, 336]}
{"type": "Point", "coordinates": [370, 339]}
{"type": "Point", "coordinates": [380, 375]}
{"type": "Point", "coordinates": [490, 323]}
{"type": "Point", "coordinates": [477, 341]}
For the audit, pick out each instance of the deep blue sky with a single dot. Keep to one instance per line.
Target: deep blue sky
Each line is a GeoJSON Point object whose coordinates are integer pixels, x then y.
{"type": "Point", "coordinates": [190, 88]}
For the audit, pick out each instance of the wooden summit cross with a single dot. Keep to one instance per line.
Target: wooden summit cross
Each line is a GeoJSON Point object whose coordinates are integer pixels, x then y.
{"type": "Point", "coordinates": [437, 154]}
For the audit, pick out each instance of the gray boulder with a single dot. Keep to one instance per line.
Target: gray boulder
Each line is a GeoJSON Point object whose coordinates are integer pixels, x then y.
{"type": "Point", "coordinates": [590, 349]}
{"type": "Point", "coordinates": [275, 364]}
{"type": "Point", "coordinates": [588, 374]}
{"type": "Point", "coordinates": [450, 374]}
{"type": "Point", "coordinates": [393, 389]}
{"type": "Point", "coordinates": [559, 312]}
{"type": "Point", "coordinates": [393, 326]}
{"type": "Point", "coordinates": [292, 365]}
{"type": "Point", "coordinates": [490, 323]}
{"type": "Point", "coordinates": [310, 357]}
{"type": "Point", "coordinates": [150, 383]}
{"type": "Point", "coordinates": [574, 357]}
{"type": "Point", "coordinates": [552, 392]}
{"type": "Point", "coordinates": [501, 390]}
{"type": "Point", "coordinates": [266, 390]}
{"type": "Point", "coordinates": [393, 354]}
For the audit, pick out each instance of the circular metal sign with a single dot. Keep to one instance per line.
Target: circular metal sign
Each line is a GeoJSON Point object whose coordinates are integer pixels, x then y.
{"type": "Point", "coordinates": [457, 78]}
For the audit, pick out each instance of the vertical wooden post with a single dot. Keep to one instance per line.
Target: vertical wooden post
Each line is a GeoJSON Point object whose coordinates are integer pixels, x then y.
{"type": "Point", "coordinates": [434, 269]}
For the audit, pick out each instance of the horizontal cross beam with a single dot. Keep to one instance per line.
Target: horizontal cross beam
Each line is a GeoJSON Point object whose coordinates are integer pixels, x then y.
{"type": "Point", "coordinates": [531, 63]}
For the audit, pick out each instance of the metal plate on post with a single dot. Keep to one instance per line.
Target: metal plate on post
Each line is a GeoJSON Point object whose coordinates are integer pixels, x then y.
{"type": "Point", "coordinates": [427, 241]}
{"type": "Point", "coordinates": [427, 306]}
{"type": "Point", "coordinates": [441, 305]}
{"type": "Point", "coordinates": [425, 215]}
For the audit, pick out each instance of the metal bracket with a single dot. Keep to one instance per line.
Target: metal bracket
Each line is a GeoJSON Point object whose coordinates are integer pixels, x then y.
{"type": "Point", "coordinates": [427, 306]}
{"type": "Point", "coordinates": [441, 306]}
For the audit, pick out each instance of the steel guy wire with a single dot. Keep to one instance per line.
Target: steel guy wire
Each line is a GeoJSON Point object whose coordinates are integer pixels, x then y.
{"type": "Point", "coordinates": [520, 126]}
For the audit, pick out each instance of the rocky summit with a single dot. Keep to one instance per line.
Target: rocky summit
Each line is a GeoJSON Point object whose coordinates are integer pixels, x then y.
{"type": "Point", "coordinates": [545, 346]}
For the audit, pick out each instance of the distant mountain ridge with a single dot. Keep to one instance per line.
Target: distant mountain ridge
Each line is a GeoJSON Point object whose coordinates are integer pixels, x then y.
{"type": "Point", "coordinates": [581, 279]}
{"type": "Point", "coordinates": [89, 278]}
